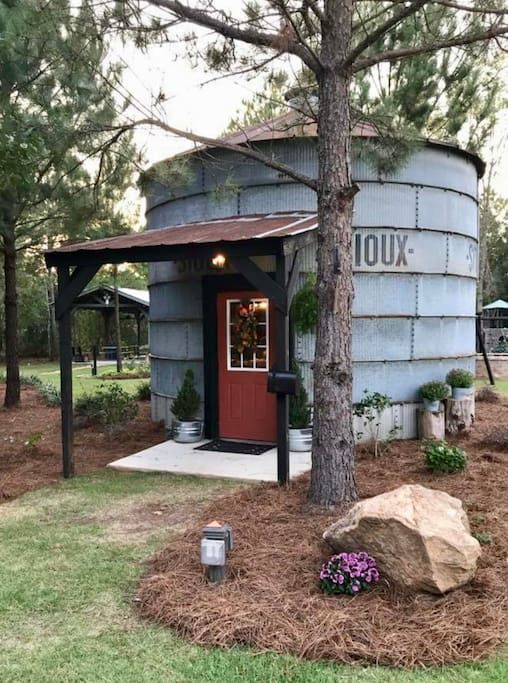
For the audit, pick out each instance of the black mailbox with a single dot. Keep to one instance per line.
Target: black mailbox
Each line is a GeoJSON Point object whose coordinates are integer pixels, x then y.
{"type": "Point", "coordinates": [282, 382]}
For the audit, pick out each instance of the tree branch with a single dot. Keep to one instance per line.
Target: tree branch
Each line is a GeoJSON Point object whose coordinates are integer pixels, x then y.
{"type": "Point", "coordinates": [381, 30]}
{"type": "Point", "coordinates": [471, 8]}
{"type": "Point", "coordinates": [252, 36]}
{"type": "Point", "coordinates": [249, 152]}
{"type": "Point", "coordinates": [457, 41]}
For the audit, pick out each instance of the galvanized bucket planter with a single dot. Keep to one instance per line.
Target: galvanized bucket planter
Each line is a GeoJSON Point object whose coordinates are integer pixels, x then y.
{"type": "Point", "coordinates": [300, 440]}
{"type": "Point", "coordinates": [187, 432]}
{"type": "Point", "coordinates": [459, 393]}
{"type": "Point", "coordinates": [431, 406]}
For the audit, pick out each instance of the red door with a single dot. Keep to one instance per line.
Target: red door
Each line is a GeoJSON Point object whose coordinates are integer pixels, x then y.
{"type": "Point", "coordinates": [245, 345]}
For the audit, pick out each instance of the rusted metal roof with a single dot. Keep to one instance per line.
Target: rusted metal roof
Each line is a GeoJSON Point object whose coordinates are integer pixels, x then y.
{"type": "Point", "coordinates": [290, 125]}
{"type": "Point", "coordinates": [297, 125]}
{"type": "Point", "coordinates": [234, 229]}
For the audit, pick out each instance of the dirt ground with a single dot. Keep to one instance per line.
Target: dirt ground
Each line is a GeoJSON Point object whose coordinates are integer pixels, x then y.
{"type": "Point", "coordinates": [30, 445]}
{"type": "Point", "coordinates": [272, 599]}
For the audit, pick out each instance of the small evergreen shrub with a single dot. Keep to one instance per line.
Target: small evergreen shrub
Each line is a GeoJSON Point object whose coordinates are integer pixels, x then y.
{"type": "Point", "coordinates": [186, 404]}
{"type": "Point", "coordinates": [144, 392]}
{"type": "Point", "coordinates": [348, 573]}
{"type": "Point", "coordinates": [441, 457]}
{"type": "Point", "coordinates": [109, 406]}
{"type": "Point", "coordinates": [460, 379]}
{"type": "Point", "coordinates": [434, 391]}
{"type": "Point", "coordinates": [299, 408]}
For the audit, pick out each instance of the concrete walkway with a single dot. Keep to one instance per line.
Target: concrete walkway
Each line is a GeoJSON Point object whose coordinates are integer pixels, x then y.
{"type": "Point", "coordinates": [181, 458]}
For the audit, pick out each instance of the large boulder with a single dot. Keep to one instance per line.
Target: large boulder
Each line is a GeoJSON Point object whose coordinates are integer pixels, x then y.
{"type": "Point", "coordinates": [419, 537]}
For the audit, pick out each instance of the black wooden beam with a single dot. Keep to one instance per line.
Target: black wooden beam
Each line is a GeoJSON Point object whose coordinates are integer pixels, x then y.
{"type": "Point", "coordinates": [479, 336]}
{"type": "Point", "coordinates": [65, 345]}
{"type": "Point", "coordinates": [296, 242]}
{"type": "Point", "coordinates": [260, 280]}
{"type": "Point", "coordinates": [292, 282]}
{"type": "Point", "coordinates": [69, 290]}
{"type": "Point", "coordinates": [282, 362]}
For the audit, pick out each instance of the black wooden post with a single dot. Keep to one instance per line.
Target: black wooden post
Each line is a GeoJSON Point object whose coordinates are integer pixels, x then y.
{"type": "Point", "coordinates": [94, 360]}
{"type": "Point", "coordinates": [138, 332]}
{"type": "Point", "coordinates": [481, 342]}
{"type": "Point", "coordinates": [65, 346]}
{"type": "Point", "coordinates": [282, 361]}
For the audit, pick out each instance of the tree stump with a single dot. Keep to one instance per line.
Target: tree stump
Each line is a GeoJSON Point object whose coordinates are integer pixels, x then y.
{"type": "Point", "coordinates": [431, 425]}
{"type": "Point", "coordinates": [459, 415]}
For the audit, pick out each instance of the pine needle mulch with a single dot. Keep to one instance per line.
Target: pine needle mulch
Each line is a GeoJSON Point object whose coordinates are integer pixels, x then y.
{"type": "Point", "coordinates": [272, 602]}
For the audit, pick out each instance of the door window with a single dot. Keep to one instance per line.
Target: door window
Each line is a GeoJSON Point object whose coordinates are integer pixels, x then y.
{"type": "Point", "coordinates": [247, 334]}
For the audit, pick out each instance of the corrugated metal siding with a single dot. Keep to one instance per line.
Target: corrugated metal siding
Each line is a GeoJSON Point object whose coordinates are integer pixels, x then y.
{"type": "Point", "coordinates": [402, 380]}
{"type": "Point", "coordinates": [427, 167]}
{"type": "Point", "coordinates": [410, 310]}
{"type": "Point", "coordinates": [167, 375]}
{"type": "Point", "coordinates": [180, 340]}
{"type": "Point", "coordinates": [176, 300]}
{"type": "Point", "coordinates": [284, 197]}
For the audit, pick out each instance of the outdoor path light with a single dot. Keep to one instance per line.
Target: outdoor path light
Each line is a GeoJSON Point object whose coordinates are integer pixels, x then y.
{"type": "Point", "coordinates": [216, 540]}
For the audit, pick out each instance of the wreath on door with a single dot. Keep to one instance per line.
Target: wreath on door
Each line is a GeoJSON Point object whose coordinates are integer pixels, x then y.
{"type": "Point", "coordinates": [245, 335]}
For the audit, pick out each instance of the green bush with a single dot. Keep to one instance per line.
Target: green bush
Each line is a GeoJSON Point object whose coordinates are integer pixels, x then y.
{"type": "Point", "coordinates": [460, 379]}
{"type": "Point", "coordinates": [186, 404]}
{"type": "Point", "coordinates": [370, 409]}
{"type": "Point", "coordinates": [30, 380]}
{"type": "Point", "coordinates": [440, 457]}
{"type": "Point", "coordinates": [50, 394]}
{"type": "Point", "coordinates": [109, 406]}
{"type": "Point", "coordinates": [299, 408]}
{"type": "Point", "coordinates": [483, 537]}
{"type": "Point", "coordinates": [144, 392]}
{"type": "Point", "coordinates": [304, 306]}
{"type": "Point", "coordinates": [434, 391]}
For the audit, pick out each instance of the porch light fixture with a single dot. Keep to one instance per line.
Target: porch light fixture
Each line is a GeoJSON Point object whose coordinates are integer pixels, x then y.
{"type": "Point", "coordinates": [216, 539]}
{"type": "Point", "coordinates": [218, 261]}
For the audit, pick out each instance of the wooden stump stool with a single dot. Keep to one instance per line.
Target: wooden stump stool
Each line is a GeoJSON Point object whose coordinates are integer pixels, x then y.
{"type": "Point", "coordinates": [431, 425]}
{"type": "Point", "coordinates": [459, 415]}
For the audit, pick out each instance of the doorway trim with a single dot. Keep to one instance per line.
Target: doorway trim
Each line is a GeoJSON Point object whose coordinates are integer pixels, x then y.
{"type": "Point", "coordinates": [211, 286]}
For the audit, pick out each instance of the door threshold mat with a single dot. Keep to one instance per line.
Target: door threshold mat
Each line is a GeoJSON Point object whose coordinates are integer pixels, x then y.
{"type": "Point", "coordinates": [245, 447]}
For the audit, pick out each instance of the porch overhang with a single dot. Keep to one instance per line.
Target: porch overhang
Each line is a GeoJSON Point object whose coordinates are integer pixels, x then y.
{"type": "Point", "coordinates": [238, 238]}
{"type": "Point", "coordinates": [256, 235]}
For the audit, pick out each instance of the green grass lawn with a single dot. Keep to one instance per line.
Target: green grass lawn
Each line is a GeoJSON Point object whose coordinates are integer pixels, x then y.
{"type": "Point", "coordinates": [71, 559]}
{"type": "Point", "coordinates": [501, 385]}
{"type": "Point", "coordinates": [83, 382]}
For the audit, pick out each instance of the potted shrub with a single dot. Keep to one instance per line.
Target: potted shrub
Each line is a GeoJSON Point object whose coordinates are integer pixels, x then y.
{"type": "Point", "coordinates": [432, 394]}
{"type": "Point", "coordinates": [300, 431]}
{"type": "Point", "coordinates": [186, 428]}
{"type": "Point", "coordinates": [461, 382]}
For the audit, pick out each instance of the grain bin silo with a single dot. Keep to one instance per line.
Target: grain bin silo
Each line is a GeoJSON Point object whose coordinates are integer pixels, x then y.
{"type": "Point", "coordinates": [415, 261]}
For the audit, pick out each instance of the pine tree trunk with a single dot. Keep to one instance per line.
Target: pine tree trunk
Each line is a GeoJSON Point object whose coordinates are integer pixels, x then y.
{"type": "Point", "coordinates": [12, 389]}
{"type": "Point", "coordinates": [332, 477]}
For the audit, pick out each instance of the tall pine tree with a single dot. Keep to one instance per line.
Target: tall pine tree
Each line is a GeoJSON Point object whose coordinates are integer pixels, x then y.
{"type": "Point", "coordinates": [62, 171]}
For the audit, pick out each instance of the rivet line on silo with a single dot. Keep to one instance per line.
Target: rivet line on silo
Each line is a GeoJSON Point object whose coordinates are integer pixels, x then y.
{"type": "Point", "coordinates": [413, 320]}
{"type": "Point", "coordinates": [447, 253]}
{"type": "Point", "coordinates": [417, 207]}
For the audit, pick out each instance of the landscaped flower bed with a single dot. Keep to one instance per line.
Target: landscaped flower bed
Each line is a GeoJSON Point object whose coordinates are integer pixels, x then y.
{"type": "Point", "coordinates": [272, 599]}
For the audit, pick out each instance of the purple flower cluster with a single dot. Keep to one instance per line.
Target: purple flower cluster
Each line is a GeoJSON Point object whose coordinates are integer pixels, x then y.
{"type": "Point", "coordinates": [348, 573]}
